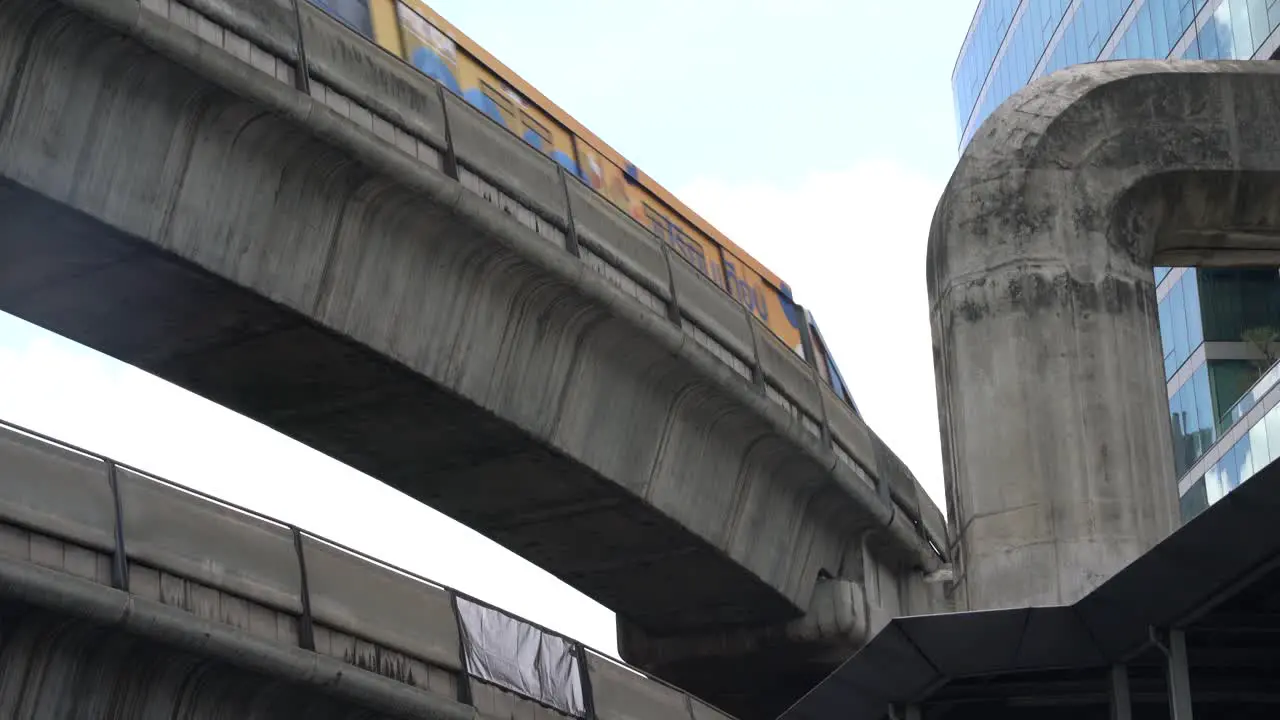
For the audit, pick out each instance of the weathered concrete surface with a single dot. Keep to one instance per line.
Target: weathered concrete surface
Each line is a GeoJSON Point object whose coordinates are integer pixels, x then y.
{"type": "Point", "coordinates": [379, 638]}
{"type": "Point", "coordinates": [55, 668]}
{"type": "Point", "coordinates": [1046, 345]}
{"type": "Point", "coordinates": [71, 648]}
{"type": "Point", "coordinates": [759, 672]}
{"type": "Point", "coordinates": [164, 203]}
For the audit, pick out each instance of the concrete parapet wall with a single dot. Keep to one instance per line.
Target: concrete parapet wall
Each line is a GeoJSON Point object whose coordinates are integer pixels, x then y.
{"type": "Point", "coordinates": [56, 665]}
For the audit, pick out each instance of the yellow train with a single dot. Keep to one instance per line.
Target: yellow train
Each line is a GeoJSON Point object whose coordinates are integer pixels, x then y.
{"type": "Point", "coordinates": [412, 31]}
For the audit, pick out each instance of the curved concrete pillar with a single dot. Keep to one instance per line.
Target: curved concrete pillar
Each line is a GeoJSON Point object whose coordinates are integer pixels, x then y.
{"type": "Point", "coordinates": [1053, 410]}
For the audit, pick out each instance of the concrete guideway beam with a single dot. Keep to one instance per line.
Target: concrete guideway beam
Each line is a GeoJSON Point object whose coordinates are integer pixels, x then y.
{"type": "Point", "coordinates": [1046, 343]}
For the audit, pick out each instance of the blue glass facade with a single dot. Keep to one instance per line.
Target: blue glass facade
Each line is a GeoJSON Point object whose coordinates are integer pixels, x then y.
{"type": "Point", "coordinates": [1224, 402]}
{"type": "Point", "coordinates": [1181, 326]}
{"type": "Point", "coordinates": [1012, 42]}
{"type": "Point", "coordinates": [1247, 451]}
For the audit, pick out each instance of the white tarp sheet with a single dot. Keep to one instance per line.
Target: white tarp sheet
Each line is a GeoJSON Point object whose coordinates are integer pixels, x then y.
{"type": "Point", "coordinates": [517, 656]}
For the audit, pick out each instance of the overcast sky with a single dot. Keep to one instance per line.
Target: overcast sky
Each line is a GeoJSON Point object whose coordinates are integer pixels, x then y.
{"type": "Point", "coordinates": [817, 134]}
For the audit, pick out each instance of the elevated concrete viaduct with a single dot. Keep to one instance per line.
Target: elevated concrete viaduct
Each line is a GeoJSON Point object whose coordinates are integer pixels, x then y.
{"type": "Point", "coordinates": [126, 597]}
{"type": "Point", "coordinates": [376, 270]}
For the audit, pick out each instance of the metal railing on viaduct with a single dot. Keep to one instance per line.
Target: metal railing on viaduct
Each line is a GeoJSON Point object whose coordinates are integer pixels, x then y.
{"type": "Point", "coordinates": [81, 514]}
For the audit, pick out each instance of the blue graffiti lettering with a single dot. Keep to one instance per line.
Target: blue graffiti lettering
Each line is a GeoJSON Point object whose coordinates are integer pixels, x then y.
{"type": "Point", "coordinates": [741, 290]}
{"type": "Point", "coordinates": [689, 251]}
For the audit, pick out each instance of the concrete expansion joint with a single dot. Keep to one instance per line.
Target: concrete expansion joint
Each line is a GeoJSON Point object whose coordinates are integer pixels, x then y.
{"type": "Point", "coordinates": [995, 513]}
{"type": "Point", "coordinates": [981, 277]}
{"type": "Point", "coordinates": [1061, 273]}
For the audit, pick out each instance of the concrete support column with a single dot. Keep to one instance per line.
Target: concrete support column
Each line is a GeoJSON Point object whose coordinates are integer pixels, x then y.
{"type": "Point", "coordinates": [1052, 409]}
{"type": "Point", "coordinates": [906, 712]}
{"type": "Point", "coordinates": [1121, 703]}
{"type": "Point", "coordinates": [1051, 395]}
{"type": "Point", "coordinates": [1179, 676]}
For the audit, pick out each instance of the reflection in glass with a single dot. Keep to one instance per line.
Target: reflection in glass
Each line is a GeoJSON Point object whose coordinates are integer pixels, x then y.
{"type": "Point", "coordinates": [1204, 407]}
{"type": "Point", "coordinates": [1166, 338]}
{"type": "Point", "coordinates": [1259, 452]}
{"type": "Point", "coordinates": [1215, 482]}
{"type": "Point", "coordinates": [1272, 421]}
{"type": "Point", "coordinates": [1231, 465]}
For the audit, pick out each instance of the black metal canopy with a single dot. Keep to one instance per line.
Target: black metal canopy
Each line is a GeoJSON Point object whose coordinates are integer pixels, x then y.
{"type": "Point", "coordinates": [1217, 579]}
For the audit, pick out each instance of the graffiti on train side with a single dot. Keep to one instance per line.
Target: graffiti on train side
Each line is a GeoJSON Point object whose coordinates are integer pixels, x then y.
{"type": "Point", "coordinates": [437, 55]}
{"type": "Point", "coordinates": [752, 296]}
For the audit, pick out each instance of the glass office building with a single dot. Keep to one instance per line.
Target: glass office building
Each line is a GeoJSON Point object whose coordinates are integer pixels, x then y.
{"type": "Point", "coordinates": [1217, 326]}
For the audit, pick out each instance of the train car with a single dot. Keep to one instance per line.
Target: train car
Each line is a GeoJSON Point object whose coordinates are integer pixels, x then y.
{"type": "Point", "coordinates": [412, 31]}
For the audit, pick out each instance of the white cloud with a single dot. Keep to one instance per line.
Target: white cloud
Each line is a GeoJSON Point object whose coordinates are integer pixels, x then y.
{"type": "Point", "coordinates": [51, 385]}
{"type": "Point", "coordinates": [851, 245]}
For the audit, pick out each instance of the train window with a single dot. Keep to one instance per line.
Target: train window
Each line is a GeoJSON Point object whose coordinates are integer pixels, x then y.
{"type": "Point", "coordinates": [536, 134]}
{"type": "Point", "coordinates": [827, 368]}
{"type": "Point", "coordinates": [820, 362]}
{"type": "Point", "coordinates": [837, 382]}
{"type": "Point", "coordinates": [354, 13]}
{"type": "Point", "coordinates": [657, 223]}
{"type": "Point", "coordinates": [428, 49]}
{"type": "Point", "coordinates": [500, 99]}
{"type": "Point", "coordinates": [692, 251]}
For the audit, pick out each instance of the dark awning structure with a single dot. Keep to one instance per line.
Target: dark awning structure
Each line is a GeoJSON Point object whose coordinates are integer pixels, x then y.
{"type": "Point", "coordinates": [1200, 611]}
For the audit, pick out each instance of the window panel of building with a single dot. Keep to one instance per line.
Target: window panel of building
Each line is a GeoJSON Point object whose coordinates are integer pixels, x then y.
{"type": "Point", "coordinates": [1247, 466]}
{"type": "Point", "coordinates": [1166, 338]}
{"type": "Point", "coordinates": [1177, 300]}
{"type": "Point", "coordinates": [1025, 46]}
{"type": "Point", "coordinates": [1214, 485]}
{"type": "Point", "coordinates": [975, 64]}
{"type": "Point", "coordinates": [1232, 463]}
{"type": "Point", "coordinates": [1195, 442]}
{"type": "Point", "coordinates": [1181, 434]}
{"type": "Point", "coordinates": [1258, 448]}
{"type": "Point", "coordinates": [1191, 308]}
{"type": "Point", "coordinates": [1259, 22]}
{"type": "Point", "coordinates": [1192, 425]}
{"type": "Point", "coordinates": [1206, 419]}
{"type": "Point", "coordinates": [1082, 40]}
{"type": "Point", "coordinates": [1235, 300]}
{"type": "Point", "coordinates": [1181, 328]}
{"type": "Point", "coordinates": [1194, 501]}
{"type": "Point", "coordinates": [1229, 380]}
{"type": "Point", "coordinates": [1272, 421]}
